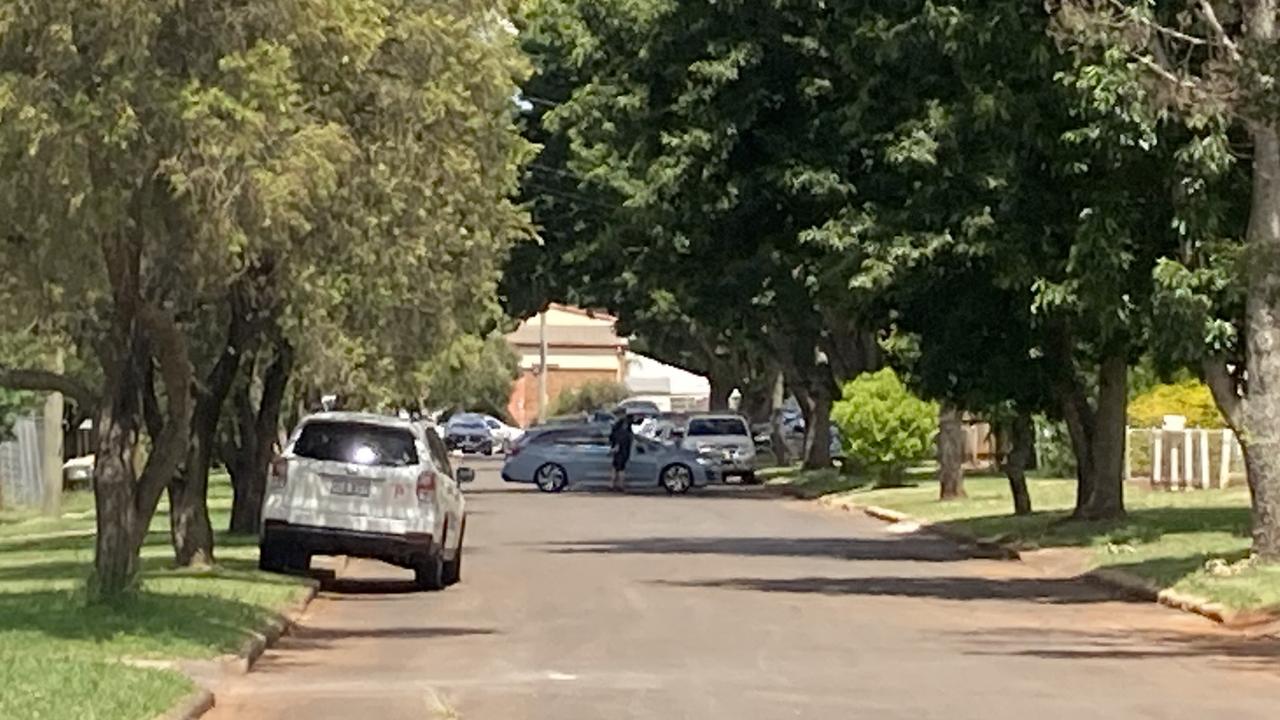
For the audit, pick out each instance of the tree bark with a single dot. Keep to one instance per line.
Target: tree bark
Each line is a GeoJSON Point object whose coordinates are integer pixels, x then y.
{"type": "Point", "coordinates": [126, 500]}
{"type": "Point", "coordinates": [258, 434]}
{"type": "Point", "coordinates": [950, 453]}
{"type": "Point", "coordinates": [722, 383]}
{"type": "Point", "coordinates": [189, 524]}
{"type": "Point", "coordinates": [817, 427]}
{"type": "Point", "coordinates": [1106, 501]}
{"type": "Point", "coordinates": [1021, 448]}
{"type": "Point", "coordinates": [114, 478]}
{"type": "Point", "coordinates": [1257, 416]}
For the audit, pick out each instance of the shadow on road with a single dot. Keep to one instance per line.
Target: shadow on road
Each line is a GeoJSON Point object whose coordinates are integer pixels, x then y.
{"type": "Point", "coordinates": [905, 548]}
{"type": "Point", "coordinates": [325, 635]}
{"type": "Point", "coordinates": [1048, 591]}
{"type": "Point", "coordinates": [1258, 653]}
{"type": "Point", "coordinates": [369, 586]}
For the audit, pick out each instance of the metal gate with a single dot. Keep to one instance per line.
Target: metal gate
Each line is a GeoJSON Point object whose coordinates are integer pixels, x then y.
{"type": "Point", "coordinates": [21, 482]}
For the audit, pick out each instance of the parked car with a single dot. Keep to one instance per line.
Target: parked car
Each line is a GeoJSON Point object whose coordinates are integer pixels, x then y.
{"type": "Point", "coordinates": [504, 435]}
{"type": "Point", "coordinates": [725, 437]}
{"type": "Point", "coordinates": [78, 472]}
{"type": "Point", "coordinates": [557, 457]}
{"type": "Point", "coordinates": [470, 434]}
{"type": "Point", "coordinates": [365, 486]}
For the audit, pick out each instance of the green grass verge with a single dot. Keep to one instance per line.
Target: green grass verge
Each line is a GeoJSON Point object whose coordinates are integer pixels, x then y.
{"type": "Point", "coordinates": [60, 657]}
{"type": "Point", "coordinates": [1169, 538]}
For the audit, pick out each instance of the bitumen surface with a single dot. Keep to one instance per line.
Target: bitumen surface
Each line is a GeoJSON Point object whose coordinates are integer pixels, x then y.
{"type": "Point", "coordinates": [731, 603]}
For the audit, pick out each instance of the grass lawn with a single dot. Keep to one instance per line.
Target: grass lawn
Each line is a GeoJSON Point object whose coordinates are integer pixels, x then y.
{"type": "Point", "coordinates": [1167, 537]}
{"type": "Point", "coordinates": [60, 658]}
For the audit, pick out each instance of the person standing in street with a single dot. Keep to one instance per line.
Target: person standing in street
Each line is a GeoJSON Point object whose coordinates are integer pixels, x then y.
{"type": "Point", "coordinates": [620, 439]}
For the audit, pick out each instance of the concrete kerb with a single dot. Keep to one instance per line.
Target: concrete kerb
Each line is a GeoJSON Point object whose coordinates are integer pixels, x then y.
{"type": "Point", "coordinates": [191, 707]}
{"type": "Point", "coordinates": [258, 643]}
{"type": "Point", "coordinates": [1120, 580]}
{"type": "Point", "coordinates": [203, 700]}
{"type": "Point", "coordinates": [986, 548]}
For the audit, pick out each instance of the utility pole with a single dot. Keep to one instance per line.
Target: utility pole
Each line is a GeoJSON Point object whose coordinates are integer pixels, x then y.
{"type": "Point", "coordinates": [542, 366]}
{"type": "Point", "coordinates": [51, 438]}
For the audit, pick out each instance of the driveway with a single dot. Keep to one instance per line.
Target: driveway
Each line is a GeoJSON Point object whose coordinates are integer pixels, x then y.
{"type": "Point", "coordinates": [731, 605]}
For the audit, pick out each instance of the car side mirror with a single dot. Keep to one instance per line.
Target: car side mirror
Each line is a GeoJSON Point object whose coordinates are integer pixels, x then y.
{"type": "Point", "coordinates": [466, 475]}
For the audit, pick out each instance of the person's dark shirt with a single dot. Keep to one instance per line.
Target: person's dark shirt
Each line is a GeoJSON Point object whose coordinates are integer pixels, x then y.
{"type": "Point", "coordinates": [621, 436]}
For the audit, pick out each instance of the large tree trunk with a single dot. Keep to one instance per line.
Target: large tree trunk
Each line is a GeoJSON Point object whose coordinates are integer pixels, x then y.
{"type": "Point", "coordinates": [1021, 448]}
{"type": "Point", "coordinates": [778, 433]}
{"type": "Point", "coordinates": [126, 500]}
{"type": "Point", "coordinates": [1256, 415]}
{"type": "Point", "coordinates": [950, 453]}
{"type": "Point", "coordinates": [115, 569]}
{"type": "Point", "coordinates": [722, 381]}
{"type": "Point", "coordinates": [189, 524]}
{"type": "Point", "coordinates": [817, 427]}
{"type": "Point", "coordinates": [258, 433]}
{"type": "Point", "coordinates": [1078, 417]}
{"type": "Point", "coordinates": [1107, 444]}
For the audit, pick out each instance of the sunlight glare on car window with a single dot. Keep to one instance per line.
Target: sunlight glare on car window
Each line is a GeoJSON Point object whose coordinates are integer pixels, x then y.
{"type": "Point", "coordinates": [365, 455]}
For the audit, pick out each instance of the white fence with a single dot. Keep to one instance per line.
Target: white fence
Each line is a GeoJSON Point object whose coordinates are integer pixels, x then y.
{"type": "Point", "coordinates": [20, 465]}
{"type": "Point", "coordinates": [1184, 459]}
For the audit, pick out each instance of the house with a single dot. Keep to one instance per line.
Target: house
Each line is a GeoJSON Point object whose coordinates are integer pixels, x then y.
{"type": "Point", "coordinates": [582, 347]}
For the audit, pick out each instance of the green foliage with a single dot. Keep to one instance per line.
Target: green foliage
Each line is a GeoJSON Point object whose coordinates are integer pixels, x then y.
{"type": "Point", "coordinates": [1189, 398]}
{"type": "Point", "coordinates": [595, 395]}
{"type": "Point", "coordinates": [885, 426]}
{"type": "Point", "coordinates": [1053, 448]}
{"type": "Point", "coordinates": [473, 374]}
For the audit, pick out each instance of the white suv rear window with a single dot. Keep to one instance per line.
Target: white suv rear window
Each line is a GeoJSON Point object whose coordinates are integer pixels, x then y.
{"type": "Point", "coordinates": [356, 443]}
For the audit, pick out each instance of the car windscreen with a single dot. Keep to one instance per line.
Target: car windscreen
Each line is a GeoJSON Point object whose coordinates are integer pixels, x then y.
{"type": "Point", "coordinates": [701, 427]}
{"type": "Point", "coordinates": [356, 443]}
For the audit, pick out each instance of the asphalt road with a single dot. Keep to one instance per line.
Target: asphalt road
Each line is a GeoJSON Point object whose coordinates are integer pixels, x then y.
{"type": "Point", "coordinates": [732, 605]}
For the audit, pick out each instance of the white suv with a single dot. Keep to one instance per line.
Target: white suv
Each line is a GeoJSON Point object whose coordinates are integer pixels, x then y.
{"type": "Point", "coordinates": [365, 486]}
{"type": "Point", "coordinates": [726, 441]}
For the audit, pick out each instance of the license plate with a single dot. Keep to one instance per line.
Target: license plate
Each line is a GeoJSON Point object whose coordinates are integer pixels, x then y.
{"type": "Point", "coordinates": [349, 486]}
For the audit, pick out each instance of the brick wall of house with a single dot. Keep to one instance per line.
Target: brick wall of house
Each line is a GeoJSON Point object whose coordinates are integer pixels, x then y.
{"type": "Point", "coordinates": [523, 406]}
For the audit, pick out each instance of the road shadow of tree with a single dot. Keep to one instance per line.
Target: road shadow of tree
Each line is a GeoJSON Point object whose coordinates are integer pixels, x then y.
{"type": "Point", "coordinates": [1064, 591]}
{"type": "Point", "coordinates": [1233, 650]}
{"type": "Point", "coordinates": [917, 548]}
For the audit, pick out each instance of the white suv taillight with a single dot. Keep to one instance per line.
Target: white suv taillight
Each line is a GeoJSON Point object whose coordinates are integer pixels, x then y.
{"type": "Point", "coordinates": [279, 475]}
{"type": "Point", "coordinates": [426, 486]}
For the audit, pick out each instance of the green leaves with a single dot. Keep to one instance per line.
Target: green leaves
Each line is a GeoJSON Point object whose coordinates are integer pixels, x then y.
{"type": "Point", "coordinates": [885, 427]}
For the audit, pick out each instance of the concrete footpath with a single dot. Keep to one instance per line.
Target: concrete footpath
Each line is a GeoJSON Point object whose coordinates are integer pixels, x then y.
{"type": "Point", "coordinates": [731, 604]}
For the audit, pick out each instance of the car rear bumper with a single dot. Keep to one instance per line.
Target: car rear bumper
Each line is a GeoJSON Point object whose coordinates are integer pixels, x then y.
{"type": "Point", "coordinates": [404, 550]}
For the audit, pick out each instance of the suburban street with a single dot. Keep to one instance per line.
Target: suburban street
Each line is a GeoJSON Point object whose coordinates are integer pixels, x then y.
{"type": "Point", "coordinates": [731, 604]}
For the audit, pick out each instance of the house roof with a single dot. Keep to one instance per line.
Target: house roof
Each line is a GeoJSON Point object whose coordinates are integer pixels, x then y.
{"type": "Point", "coordinates": [594, 314]}
{"type": "Point", "coordinates": [567, 336]}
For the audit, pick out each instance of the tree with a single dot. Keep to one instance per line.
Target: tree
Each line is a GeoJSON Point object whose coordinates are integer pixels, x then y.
{"type": "Point", "coordinates": [700, 147]}
{"type": "Point", "coordinates": [157, 154]}
{"type": "Point", "coordinates": [1203, 68]}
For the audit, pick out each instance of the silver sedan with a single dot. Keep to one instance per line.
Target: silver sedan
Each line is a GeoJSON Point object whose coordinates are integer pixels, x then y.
{"type": "Point", "coordinates": [558, 457]}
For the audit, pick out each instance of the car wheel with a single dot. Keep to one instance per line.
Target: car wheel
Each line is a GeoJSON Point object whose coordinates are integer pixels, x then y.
{"type": "Point", "coordinates": [453, 568]}
{"type": "Point", "coordinates": [676, 479]}
{"type": "Point", "coordinates": [750, 479]}
{"type": "Point", "coordinates": [429, 573]}
{"type": "Point", "coordinates": [269, 558]}
{"type": "Point", "coordinates": [551, 478]}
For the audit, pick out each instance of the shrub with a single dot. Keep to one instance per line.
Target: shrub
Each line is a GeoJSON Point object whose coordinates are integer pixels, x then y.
{"type": "Point", "coordinates": [590, 396]}
{"type": "Point", "coordinates": [885, 427]}
{"type": "Point", "coordinates": [1190, 398]}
